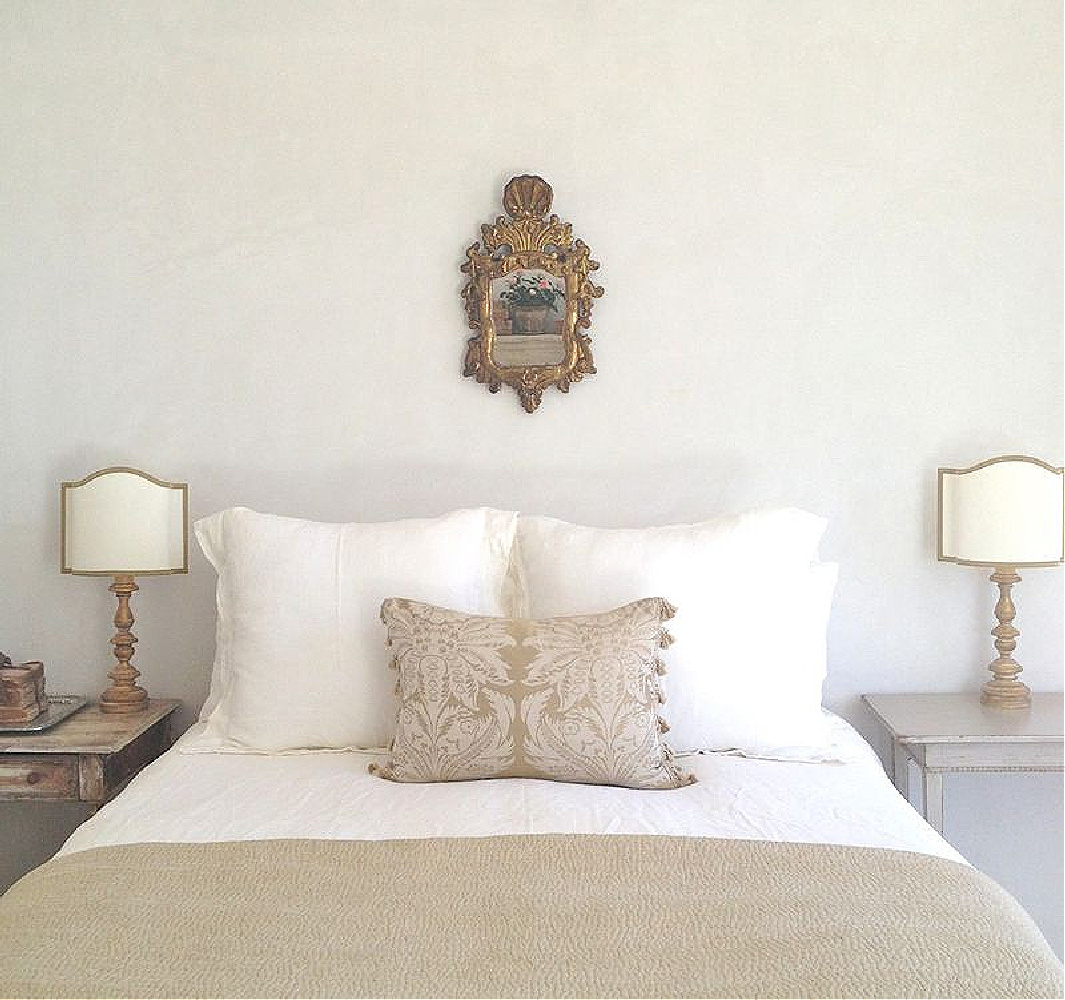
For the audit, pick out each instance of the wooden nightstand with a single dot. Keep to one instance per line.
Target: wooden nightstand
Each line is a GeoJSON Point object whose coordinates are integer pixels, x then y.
{"type": "Point", "coordinates": [954, 732]}
{"type": "Point", "coordinates": [86, 758]}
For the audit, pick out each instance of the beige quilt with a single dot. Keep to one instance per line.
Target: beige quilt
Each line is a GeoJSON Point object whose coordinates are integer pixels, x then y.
{"type": "Point", "coordinates": [516, 916]}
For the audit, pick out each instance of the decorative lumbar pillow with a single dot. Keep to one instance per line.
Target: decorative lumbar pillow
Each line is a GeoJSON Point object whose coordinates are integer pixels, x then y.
{"type": "Point", "coordinates": [568, 699]}
{"type": "Point", "coordinates": [750, 659]}
{"type": "Point", "coordinates": [298, 660]}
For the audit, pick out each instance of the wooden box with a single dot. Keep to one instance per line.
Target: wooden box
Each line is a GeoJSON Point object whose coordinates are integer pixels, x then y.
{"type": "Point", "coordinates": [22, 696]}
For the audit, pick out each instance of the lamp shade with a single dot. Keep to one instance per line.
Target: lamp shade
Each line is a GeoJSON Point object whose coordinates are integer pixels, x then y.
{"type": "Point", "coordinates": [123, 521]}
{"type": "Point", "coordinates": [1007, 511]}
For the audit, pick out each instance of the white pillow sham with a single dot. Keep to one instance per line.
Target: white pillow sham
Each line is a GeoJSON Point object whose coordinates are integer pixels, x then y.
{"type": "Point", "coordinates": [300, 661]}
{"type": "Point", "coordinates": [749, 661]}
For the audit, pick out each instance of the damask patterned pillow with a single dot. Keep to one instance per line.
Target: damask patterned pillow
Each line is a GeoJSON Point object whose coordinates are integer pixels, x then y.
{"type": "Point", "coordinates": [568, 699]}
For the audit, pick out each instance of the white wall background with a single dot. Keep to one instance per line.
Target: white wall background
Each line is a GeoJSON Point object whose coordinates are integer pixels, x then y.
{"type": "Point", "coordinates": [831, 237]}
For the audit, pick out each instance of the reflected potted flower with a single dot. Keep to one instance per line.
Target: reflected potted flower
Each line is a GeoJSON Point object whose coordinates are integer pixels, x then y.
{"type": "Point", "coordinates": [530, 299]}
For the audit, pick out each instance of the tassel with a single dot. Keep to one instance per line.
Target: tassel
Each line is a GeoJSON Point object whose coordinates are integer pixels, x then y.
{"type": "Point", "coordinates": [381, 771]}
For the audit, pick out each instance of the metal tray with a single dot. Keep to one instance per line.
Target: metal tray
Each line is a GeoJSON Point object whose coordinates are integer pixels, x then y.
{"type": "Point", "coordinates": [59, 707]}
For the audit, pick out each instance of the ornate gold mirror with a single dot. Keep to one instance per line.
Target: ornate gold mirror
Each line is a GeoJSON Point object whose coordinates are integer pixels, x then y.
{"type": "Point", "coordinates": [529, 298]}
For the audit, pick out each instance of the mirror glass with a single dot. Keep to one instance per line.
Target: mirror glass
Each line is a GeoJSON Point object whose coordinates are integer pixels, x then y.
{"type": "Point", "coordinates": [528, 310]}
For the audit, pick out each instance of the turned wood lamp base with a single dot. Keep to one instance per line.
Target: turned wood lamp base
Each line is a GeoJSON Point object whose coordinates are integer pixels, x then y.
{"type": "Point", "coordinates": [1004, 690]}
{"type": "Point", "coordinates": [123, 695]}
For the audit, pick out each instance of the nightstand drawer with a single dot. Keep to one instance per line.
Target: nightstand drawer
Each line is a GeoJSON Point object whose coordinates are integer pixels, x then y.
{"type": "Point", "coordinates": [991, 756]}
{"type": "Point", "coordinates": [26, 777]}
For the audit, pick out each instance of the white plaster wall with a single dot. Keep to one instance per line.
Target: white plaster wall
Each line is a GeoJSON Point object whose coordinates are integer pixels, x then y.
{"type": "Point", "coordinates": [832, 249]}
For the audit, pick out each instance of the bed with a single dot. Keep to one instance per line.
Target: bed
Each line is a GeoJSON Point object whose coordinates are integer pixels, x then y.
{"type": "Point", "coordinates": [302, 875]}
{"type": "Point", "coordinates": [244, 862]}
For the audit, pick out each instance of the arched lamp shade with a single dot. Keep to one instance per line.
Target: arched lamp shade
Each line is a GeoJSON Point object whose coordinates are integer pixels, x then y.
{"type": "Point", "coordinates": [1005, 512]}
{"type": "Point", "coordinates": [122, 522]}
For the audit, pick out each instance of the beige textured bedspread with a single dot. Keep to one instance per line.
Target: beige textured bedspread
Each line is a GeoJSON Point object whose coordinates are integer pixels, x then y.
{"type": "Point", "coordinates": [521, 915]}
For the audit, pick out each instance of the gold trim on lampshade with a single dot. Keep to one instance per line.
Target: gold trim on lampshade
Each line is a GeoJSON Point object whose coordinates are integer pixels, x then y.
{"type": "Point", "coordinates": [121, 521]}
{"type": "Point", "coordinates": [1006, 511]}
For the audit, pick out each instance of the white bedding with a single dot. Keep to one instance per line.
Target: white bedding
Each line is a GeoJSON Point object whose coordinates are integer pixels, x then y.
{"type": "Point", "coordinates": [197, 797]}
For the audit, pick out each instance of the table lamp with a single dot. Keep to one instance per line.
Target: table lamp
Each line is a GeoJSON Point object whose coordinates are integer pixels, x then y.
{"type": "Point", "coordinates": [1005, 513]}
{"type": "Point", "coordinates": [123, 523]}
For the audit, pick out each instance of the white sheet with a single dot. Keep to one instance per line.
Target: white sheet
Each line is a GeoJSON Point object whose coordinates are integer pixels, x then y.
{"type": "Point", "coordinates": [197, 797]}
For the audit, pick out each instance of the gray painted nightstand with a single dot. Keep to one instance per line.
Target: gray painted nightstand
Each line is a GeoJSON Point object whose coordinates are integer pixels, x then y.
{"type": "Point", "coordinates": [954, 732]}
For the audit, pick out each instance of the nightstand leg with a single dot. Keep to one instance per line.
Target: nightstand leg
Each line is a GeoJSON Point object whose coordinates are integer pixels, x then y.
{"type": "Point", "coordinates": [933, 799]}
{"type": "Point", "coordinates": [900, 769]}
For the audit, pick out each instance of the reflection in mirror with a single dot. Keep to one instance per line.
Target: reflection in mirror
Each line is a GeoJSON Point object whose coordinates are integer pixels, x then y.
{"type": "Point", "coordinates": [528, 310]}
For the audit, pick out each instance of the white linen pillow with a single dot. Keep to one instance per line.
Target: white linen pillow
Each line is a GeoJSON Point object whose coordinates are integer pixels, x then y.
{"type": "Point", "coordinates": [749, 662]}
{"type": "Point", "coordinates": [299, 659]}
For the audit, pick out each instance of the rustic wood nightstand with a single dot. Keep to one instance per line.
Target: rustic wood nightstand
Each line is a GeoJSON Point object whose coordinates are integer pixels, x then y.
{"type": "Point", "coordinates": [941, 733]}
{"type": "Point", "coordinates": [86, 758]}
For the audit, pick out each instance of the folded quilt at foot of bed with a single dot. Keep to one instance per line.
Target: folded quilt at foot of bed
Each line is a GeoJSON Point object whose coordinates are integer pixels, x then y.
{"type": "Point", "coordinates": [547, 915]}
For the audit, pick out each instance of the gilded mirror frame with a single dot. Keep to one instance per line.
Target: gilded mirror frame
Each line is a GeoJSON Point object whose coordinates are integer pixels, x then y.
{"type": "Point", "coordinates": [529, 243]}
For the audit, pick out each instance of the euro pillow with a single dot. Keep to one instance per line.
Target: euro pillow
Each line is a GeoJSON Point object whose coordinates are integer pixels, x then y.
{"type": "Point", "coordinates": [566, 699]}
{"type": "Point", "coordinates": [750, 659]}
{"type": "Point", "coordinates": [298, 658]}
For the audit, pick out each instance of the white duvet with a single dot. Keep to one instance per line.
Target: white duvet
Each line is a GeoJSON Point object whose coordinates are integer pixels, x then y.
{"type": "Point", "coordinates": [197, 797]}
